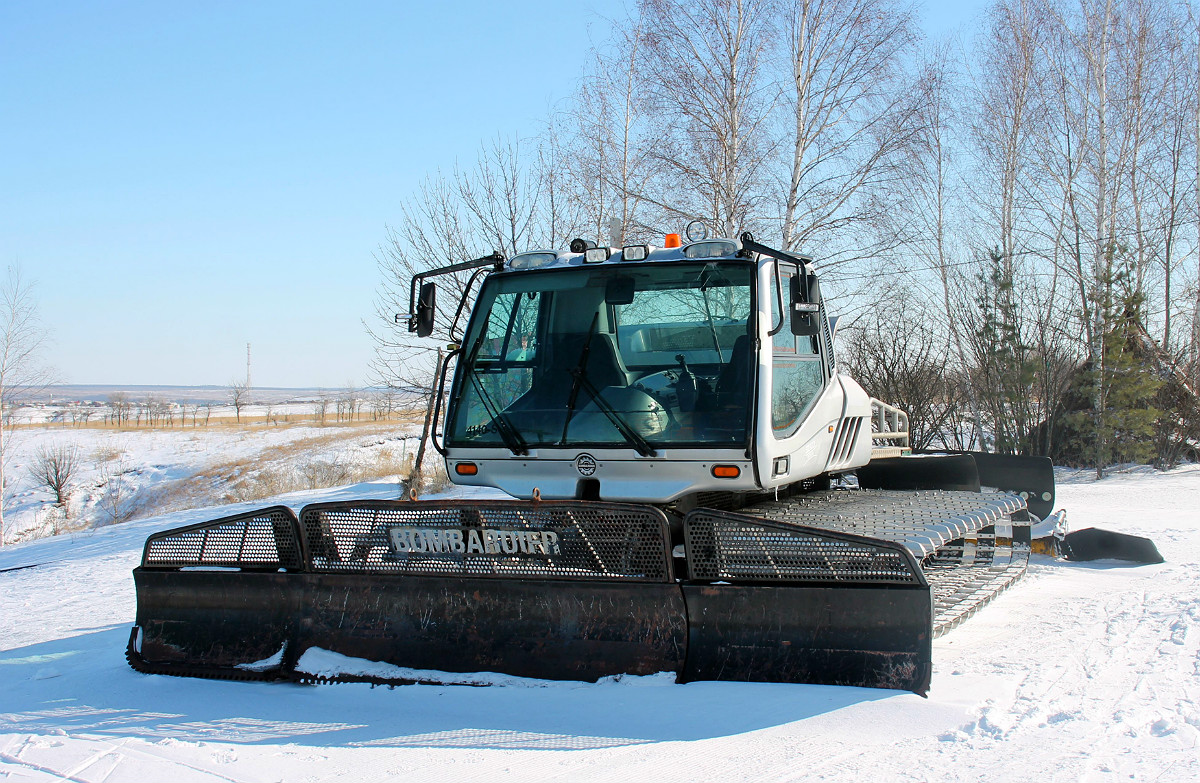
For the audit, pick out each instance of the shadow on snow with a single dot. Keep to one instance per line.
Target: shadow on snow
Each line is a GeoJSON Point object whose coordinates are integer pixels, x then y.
{"type": "Point", "coordinates": [82, 685]}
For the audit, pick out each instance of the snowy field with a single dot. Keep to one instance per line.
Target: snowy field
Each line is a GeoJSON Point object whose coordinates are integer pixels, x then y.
{"type": "Point", "coordinates": [1081, 672]}
{"type": "Point", "coordinates": [139, 472]}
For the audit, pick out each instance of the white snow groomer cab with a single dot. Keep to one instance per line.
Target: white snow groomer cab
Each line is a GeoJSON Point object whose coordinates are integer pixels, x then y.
{"type": "Point", "coordinates": [669, 421]}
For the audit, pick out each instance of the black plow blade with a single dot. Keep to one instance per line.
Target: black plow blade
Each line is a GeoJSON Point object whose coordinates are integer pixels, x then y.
{"type": "Point", "coordinates": [551, 590]}
{"type": "Point", "coordinates": [775, 601]}
{"type": "Point", "coordinates": [956, 472]}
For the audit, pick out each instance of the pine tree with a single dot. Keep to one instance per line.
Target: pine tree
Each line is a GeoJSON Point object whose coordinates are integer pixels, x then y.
{"type": "Point", "coordinates": [1123, 427]}
{"type": "Point", "coordinates": [1005, 365]}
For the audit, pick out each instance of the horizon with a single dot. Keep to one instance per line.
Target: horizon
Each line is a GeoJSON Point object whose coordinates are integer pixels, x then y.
{"type": "Point", "coordinates": [102, 393]}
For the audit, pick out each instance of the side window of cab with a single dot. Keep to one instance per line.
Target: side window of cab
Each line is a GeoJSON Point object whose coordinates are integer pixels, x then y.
{"type": "Point", "coordinates": [797, 372]}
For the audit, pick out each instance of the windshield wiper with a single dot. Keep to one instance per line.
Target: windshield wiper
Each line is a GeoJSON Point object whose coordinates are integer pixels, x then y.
{"type": "Point", "coordinates": [579, 373]}
{"type": "Point", "coordinates": [508, 433]}
{"type": "Point", "coordinates": [632, 436]}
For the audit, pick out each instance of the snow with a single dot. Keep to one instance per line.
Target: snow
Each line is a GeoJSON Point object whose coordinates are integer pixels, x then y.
{"type": "Point", "coordinates": [119, 470]}
{"type": "Point", "coordinates": [1085, 672]}
{"type": "Point", "coordinates": [325, 663]}
{"type": "Point", "coordinates": [266, 664]}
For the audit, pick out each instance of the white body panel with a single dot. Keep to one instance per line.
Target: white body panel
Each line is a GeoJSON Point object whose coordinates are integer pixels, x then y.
{"type": "Point", "coordinates": [622, 474]}
{"type": "Point", "coordinates": [829, 424]}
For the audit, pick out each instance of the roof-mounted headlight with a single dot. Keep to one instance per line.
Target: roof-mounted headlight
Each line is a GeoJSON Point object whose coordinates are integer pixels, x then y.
{"type": "Point", "coordinates": [596, 255]}
{"type": "Point", "coordinates": [715, 249]}
{"type": "Point", "coordinates": [635, 252]}
{"type": "Point", "coordinates": [532, 260]}
{"type": "Point", "coordinates": [696, 231]}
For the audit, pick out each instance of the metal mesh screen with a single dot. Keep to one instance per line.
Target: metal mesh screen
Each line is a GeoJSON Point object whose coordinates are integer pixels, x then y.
{"type": "Point", "coordinates": [725, 546]}
{"type": "Point", "coordinates": [267, 538]}
{"type": "Point", "coordinates": [496, 538]}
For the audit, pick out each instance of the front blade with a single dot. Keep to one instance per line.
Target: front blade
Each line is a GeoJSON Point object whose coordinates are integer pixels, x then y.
{"type": "Point", "coordinates": [562, 590]}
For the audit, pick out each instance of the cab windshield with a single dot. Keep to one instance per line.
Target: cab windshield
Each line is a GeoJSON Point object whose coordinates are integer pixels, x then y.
{"type": "Point", "coordinates": [640, 357]}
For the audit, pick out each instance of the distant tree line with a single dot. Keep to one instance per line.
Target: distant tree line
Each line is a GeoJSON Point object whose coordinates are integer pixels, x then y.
{"type": "Point", "coordinates": [121, 409]}
{"type": "Point", "coordinates": [1012, 234]}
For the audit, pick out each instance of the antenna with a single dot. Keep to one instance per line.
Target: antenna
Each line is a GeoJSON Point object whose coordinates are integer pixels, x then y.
{"type": "Point", "coordinates": [247, 365]}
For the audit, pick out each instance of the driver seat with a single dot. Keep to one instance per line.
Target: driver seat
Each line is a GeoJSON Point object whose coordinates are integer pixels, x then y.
{"type": "Point", "coordinates": [734, 381]}
{"type": "Point", "coordinates": [604, 365]}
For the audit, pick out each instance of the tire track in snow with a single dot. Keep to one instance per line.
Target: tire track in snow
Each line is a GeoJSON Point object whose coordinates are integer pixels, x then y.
{"type": "Point", "coordinates": [123, 753]}
{"type": "Point", "coordinates": [109, 749]}
{"type": "Point", "coordinates": [29, 765]}
{"type": "Point", "coordinates": [1084, 686]}
{"type": "Point", "coordinates": [1114, 663]}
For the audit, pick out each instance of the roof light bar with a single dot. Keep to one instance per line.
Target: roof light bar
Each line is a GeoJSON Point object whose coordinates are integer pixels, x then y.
{"type": "Point", "coordinates": [596, 255]}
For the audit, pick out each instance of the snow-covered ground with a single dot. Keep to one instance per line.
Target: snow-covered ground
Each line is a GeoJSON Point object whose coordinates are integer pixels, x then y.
{"type": "Point", "coordinates": [140, 472]}
{"type": "Point", "coordinates": [1080, 672]}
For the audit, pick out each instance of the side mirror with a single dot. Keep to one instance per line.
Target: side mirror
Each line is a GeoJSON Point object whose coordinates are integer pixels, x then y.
{"type": "Point", "coordinates": [426, 310]}
{"type": "Point", "coordinates": [806, 305]}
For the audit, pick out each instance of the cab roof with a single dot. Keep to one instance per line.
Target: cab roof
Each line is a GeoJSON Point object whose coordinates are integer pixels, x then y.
{"type": "Point", "coordinates": [706, 249]}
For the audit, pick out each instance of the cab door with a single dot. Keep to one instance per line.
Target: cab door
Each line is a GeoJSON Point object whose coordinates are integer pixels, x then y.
{"type": "Point", "coordinates": [800, 401]}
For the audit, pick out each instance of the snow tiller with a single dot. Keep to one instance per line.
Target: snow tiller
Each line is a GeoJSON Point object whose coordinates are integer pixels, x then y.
{"type": "Point", "coordinates": [697, 490]}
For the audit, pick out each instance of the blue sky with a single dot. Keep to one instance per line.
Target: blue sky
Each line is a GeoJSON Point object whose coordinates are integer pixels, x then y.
{"type": "Point", "coordinates": [180, 179]}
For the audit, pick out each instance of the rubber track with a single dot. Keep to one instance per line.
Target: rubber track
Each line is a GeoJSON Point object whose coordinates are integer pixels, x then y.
{"type": "Point", "coordinates": [960, 590]}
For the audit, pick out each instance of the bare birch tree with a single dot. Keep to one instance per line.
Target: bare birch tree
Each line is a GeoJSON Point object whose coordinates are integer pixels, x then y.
{"type": "Point", "coordinates": [22, 337]}
{"type": "Point", "coordinates": [1005, 114]}
{"type": "Point", "coordinates": [930, 205]}
{"type": "Point", "coordinates": [614, 165]}
{"type": "Point", "coordinates": [1169, 178]}
{"type": "Point", "coordinates": [1195, 341]}
{"type": "Point", "coordinates": [850, 112]}
{"type": "Point", "coordinates": [704, 68]}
